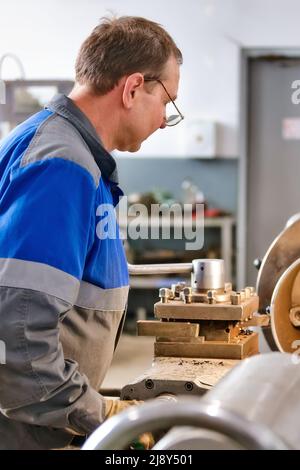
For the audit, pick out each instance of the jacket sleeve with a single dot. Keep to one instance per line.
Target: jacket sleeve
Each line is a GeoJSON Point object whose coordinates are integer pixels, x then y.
{"type": "Point", "coordinates": [46, 232]}
{"type": "Point", "coordinates": [38, 385]}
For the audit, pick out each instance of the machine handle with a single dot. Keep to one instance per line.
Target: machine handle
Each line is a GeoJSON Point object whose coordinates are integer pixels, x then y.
{"type": "Point", "coordinates": [118, 431]}
{"type": "Point", "coordinates": [177, 268]}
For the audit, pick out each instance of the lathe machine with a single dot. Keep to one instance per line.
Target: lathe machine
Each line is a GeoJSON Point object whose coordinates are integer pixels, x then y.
{"type": "Point", "coordinates": [204, 342]}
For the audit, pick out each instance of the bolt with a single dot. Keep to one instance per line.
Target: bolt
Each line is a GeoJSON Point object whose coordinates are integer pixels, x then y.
{"type": "Point", "coordinates": [243, 295]}
{"type": "Point", "coordinates": [257, 263]}
{"type": "Point", "coordinates": [187, 295]}
{"type": "Point", "coordinates": [247, 292]}
{"type": "Point", "coordinates": [164, 295]}
{"type": "Point", "coordinates": [252, 290]}
{"type": "Point", "coordinates": [235, 298]}
{"type": "Point", "coordinates": [295, 316]}
{"type": "Point", "coordinates": [149, 384]}
{"type": "Point", "coordinates": [188, 386]}
{"type": "Point", "coordinates": [177, 289]}
{"type": "Point", "coordinates": [210, 296]}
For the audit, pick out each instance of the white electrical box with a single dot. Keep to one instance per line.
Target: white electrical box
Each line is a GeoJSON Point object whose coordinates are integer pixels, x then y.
{"type": "Point", "coordinates": [200, 138]}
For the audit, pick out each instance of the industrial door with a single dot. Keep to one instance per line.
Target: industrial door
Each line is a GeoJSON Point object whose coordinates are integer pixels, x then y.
{"type": "Point", "coordinates": [273, 164]}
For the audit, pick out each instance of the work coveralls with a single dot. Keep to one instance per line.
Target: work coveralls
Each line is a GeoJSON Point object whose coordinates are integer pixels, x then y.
{"type": "Point", "coordinates": [63, 277]}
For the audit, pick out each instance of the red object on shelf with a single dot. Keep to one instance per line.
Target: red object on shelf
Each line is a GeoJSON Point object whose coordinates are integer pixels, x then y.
{"type": "Point", "coordinates": [214, 212]}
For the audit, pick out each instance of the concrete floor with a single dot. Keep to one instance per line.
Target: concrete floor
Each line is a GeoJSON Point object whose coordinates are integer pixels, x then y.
{"type": "Point", "coordinates": [133, 356]}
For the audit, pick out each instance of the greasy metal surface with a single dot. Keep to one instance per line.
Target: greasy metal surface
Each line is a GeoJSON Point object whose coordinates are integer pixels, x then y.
{"type": "Point", "coordinates": [202, 311]}
{"type": "Point", "coordinates": [178, 376]}
{"type": "Point", "coordinates": [285, 296]}
{"type": "Point", "coordinates": [284, 250]}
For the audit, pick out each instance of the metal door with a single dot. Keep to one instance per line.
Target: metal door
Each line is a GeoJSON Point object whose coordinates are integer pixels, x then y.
{"type": "Point", "coordinates": [273, 164]}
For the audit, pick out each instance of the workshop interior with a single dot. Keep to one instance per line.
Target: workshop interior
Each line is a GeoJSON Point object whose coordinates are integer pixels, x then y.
{"type": "Point", "coordinates": [211, 340]}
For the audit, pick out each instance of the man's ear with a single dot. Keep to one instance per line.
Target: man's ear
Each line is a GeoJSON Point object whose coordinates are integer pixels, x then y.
{"type": "Point", "coordinates": [133, 84]}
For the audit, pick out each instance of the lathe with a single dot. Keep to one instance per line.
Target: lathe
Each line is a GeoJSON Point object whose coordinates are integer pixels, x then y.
{"type": "Point", "coordinates": [202, 332]}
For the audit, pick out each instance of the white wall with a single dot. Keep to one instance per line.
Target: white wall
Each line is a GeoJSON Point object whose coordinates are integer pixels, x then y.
{"type": "Point", "coordinates": [46, 36]}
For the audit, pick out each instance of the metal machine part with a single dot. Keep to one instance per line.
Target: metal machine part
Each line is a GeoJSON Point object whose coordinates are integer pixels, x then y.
{"type": "Point", "coordinates": [201, 332]}
{"type": "Point", "coordinates": [148, 269]}
{"type": "Point", "coordinates": [120, 430]}
{"type": "Point", "coordinates": [177, 376]}
{"type": "Point", "coordinates": [191, 438]}
{"type": "Point", "coordinates": [250, 408]}
{"type": "Point", "coordinates": [265, 389]}
{"type": "Point", "coordinates": [206, 273]}
{"type": "Point", "coordinates": [284, 250]}
{"type": "Point", "coordinates": [285, 310]}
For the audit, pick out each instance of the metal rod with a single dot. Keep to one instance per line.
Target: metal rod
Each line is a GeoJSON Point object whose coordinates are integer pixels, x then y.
{"type": "Point", "coordinates": [171, 268]}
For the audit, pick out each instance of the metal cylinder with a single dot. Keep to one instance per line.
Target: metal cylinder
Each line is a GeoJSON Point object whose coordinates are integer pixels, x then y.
{"type": "Point", "coordinates": [167, 268]}
{"type": "Point", "coordinates": [207, 274]}
{"type": "Point", "coordinates": [265, 389]}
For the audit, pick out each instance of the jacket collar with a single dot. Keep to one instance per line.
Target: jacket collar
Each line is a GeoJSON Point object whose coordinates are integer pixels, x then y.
{"type": "Point", "coordinates": [66, 108]}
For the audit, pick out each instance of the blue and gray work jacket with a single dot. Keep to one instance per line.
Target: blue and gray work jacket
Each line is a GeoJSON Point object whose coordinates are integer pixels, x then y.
{"type": "Point", "coordinates": [63, 283]}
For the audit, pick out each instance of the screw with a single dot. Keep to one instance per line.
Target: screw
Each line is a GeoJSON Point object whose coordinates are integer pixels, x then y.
{"type": "Point", "coordinates": [295, 316]}
{"type": "Point", "coordinates": [164, 295]}
{"type": "Point", "coordinates": [188, 386]}
{"type": "Point", "coordinates": [247, 292]}
{"type": "Point", "coordinates": [210, 297]}
{"type": "Point", "coordinates": [149, 384]}
{"type": "Point", "coordinates": [252, 290]}
{"type": "Point", "coordinates": [243, 295]}
{"type": "Point", "coordinates": [235, 298]}
{"type": "Point", "coordinates": [187, 295]}
{"type": "Point", "coordinates": [178, 288]}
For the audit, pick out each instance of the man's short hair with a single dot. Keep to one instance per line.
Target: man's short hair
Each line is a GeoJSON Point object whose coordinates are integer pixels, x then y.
{"type": "Point", "coordinates": [121, 46]}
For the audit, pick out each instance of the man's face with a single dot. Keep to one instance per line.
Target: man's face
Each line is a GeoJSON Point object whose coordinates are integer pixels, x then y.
{"type": "Point", "coordinates": [149, 109]}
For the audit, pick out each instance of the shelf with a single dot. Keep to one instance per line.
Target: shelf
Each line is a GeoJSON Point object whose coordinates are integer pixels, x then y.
{"type": "Point", "coordinates": [225, 224]}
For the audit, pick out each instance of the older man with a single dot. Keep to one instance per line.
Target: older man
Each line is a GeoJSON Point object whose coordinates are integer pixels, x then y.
{"type": "Point", "coordinates": [63, 281]}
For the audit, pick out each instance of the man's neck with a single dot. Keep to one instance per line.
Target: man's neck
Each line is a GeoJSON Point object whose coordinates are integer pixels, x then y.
{"type": "Point", "coordinates": [99, 111]}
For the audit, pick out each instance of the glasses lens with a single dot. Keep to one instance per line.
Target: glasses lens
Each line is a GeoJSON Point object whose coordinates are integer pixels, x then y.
{"type": "Point", "coordinates": [173, 120]}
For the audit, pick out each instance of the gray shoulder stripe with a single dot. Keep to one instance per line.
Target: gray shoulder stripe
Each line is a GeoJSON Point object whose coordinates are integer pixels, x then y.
{"type": "Point", "coordinates": [57, 138]}
{"type": "Point", "coordinates": [96, 298]}
{"type": "Point", "coordinates": [38, 277]}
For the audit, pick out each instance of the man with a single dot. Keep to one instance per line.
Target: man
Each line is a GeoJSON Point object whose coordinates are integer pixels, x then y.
{"type": "Point", "coordinates": [63, 283]}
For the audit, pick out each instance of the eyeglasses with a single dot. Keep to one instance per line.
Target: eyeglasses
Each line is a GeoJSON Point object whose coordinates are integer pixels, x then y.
{"type": "Point", "coordinates": [173, 119]}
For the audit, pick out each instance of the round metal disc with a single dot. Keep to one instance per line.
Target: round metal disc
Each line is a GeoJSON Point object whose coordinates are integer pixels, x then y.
{"type": "Point", "coordinates": [285, 296]}
{"type": "Point", "coordinates": [284, 250]}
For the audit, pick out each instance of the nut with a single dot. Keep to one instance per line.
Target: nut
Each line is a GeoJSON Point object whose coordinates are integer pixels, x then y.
{"type": "Point", "coordinates": [242, 294]}
{"type": "Point", "coordinates": [178, 288]}
{"type": "Point", "coordinates": [252, 290]}
{"type": "Point", "coordinates": [247, 292]}
{"type": "Point", "coordinates": [235, 298]}
{"type": "Point", "coordinates": [211, 296]}
{"type": "Point", "coordinates": [295, 316]}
